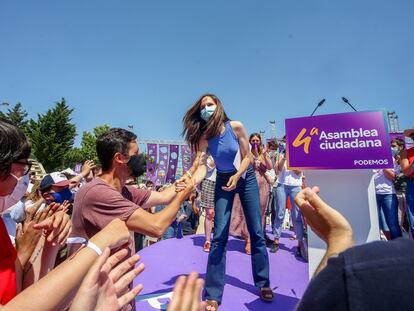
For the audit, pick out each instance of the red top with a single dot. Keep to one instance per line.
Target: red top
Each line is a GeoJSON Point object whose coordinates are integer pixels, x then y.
{"type": "Point", "coordinates": [8, 257]}
{"type": "Point", "coordinates": [410, 157]}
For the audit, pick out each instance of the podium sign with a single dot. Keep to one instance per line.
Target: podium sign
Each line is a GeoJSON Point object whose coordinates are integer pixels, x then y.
{"type": "Point", "coordinates": [356, 140]}
{"type": "Point", "coordinates": [356, 143]}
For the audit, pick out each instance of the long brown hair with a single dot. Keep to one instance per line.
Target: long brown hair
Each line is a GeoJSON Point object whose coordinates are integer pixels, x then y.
{"type": "Point", "coordinates": [260, 150]}
{"type": "Point", "coordinates": [194, 127]}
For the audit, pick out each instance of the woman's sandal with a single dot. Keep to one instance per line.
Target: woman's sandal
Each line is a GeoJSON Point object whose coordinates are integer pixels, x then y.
{"type": "Point", "coordinates": [206, 247]}
{"type": "Point", "coordinates": [247, 248]}
{"type": "Point", "coordinates": [266, 294]}
{"type": "Point", "coordinates": [211, 305]}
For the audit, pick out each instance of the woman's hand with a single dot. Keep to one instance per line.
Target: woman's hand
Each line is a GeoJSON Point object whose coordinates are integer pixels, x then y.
{"type": "Point", "coordinates": [182, 183]}
{"type": "Point", "coordinates": [232, 183]}
{"type": "Point", "coordinates": [105, 287]}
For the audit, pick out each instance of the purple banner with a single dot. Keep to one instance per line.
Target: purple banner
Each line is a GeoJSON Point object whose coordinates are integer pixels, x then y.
{"type": "Point", "coordinates": [186, 157]}
{"type": "Point", "coordinates": [356, 140]}
{"type": "Point", "coordinates": [162, 164]}
{"type": "Point", "coordinates": [172, 164]}
{"type": "Point", "coordinates": [152, 162]}
{"type": "Point", "coordinates": [397, 135]}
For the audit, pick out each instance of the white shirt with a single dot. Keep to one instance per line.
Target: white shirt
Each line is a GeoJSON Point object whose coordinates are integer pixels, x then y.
{"type": "Point", "coordinates": [211, 169]}
{"type": "Point", "coordinates": [382, 184]}
{"type": "Point", "coordinates": [289, 178]}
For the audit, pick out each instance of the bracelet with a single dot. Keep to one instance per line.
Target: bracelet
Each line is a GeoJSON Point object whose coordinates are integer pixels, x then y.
{"type": "Point", "coordinates": [94, 247]}
{"type": "Point", "coordinates": [189, 174]}
{"type": "Point", "coordinates": [86, 243]}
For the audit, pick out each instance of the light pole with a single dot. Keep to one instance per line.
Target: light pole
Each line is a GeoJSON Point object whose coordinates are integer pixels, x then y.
{"type": "Point", "coordinates": [317, 106]}
{"type": "Point", "coordinates": [393, 121]}
{"type": "Point", "coordinates": [346, 101]}
{"type": "Point", "coordinates": [273, 128]}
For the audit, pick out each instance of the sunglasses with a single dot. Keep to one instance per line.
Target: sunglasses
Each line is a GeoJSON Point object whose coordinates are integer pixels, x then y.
{"type": "Point", "coordinates": [28, 166]}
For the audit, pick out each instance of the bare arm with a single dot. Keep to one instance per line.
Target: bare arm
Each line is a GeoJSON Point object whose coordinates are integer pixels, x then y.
{"type": "Point", "coordinates": [267, 160]}
{"type": "Point", "coordinates": [155, 224]}
{"type": "Point", "coordinates": [198, 170]}
{"type": "Point", "coordinates": [406, 167]}
{"type": "Point", "coordinates": [246, 155]}
{"type": "Point", "coordinates": [281, 162]}
{"type": "Point", "coordinates": [389, 173]}
{"type": "Point", "coordinates": [41, 262]}
{"type": "Point", "coordinates": [57, 289]}
{"type": "Point", "coordinates": [160, 198]}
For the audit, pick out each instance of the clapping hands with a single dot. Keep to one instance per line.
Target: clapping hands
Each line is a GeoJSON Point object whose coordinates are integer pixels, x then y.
{"type": "Point", "coordinates": [105, 287]}
{"type": "Point", "coordinates": [52, 220]}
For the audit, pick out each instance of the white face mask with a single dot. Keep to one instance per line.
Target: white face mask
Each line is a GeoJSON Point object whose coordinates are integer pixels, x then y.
{"type": "Point", "coordinates": [18, 192]}
{"type": "Point", "coordinates": [207, 112]}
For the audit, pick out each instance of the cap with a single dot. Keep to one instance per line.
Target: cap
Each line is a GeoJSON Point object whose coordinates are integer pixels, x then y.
{"type": "Point", "coordinates": [53, 179]}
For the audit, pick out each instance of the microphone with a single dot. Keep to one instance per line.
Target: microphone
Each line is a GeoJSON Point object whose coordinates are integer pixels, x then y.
{"type": "Point", "coordinates": [317, 106]}
{"type": "Point", "coordinates": [346, 101]}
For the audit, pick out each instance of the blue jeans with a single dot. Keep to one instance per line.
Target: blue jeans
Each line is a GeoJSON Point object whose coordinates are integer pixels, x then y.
{"type": "Point", "coordinates": [388, 203]}
{"type": "Point", "coordinates": [279, 208]}
{"type": "Point", "coordinates": [273, 209]}
{"type": "Point", "coordinates": [409, 195]}
{"type": "Point", "coordinates": [248, 191]}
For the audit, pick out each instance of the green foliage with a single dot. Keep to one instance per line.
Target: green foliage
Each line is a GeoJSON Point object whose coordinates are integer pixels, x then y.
{"type": "Point", "coordinates": [52, 136]}
{"type": "Point", "coordinates": [73, 156]}
{"type": "Point", "coordinates": [87, 151]}
{"type": "Point", "coordinates": [17, 115]}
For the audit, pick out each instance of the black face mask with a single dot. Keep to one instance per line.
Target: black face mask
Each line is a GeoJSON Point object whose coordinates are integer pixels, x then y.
{"type": "Point", "coordinates": [137, 164]}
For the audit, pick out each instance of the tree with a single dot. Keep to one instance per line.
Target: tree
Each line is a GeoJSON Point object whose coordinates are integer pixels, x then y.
{"type": "Point", "coordinates": [73, 157]}
{"type": "Point", "coordinates": [17, 115]}
{"type": "Point", "coordinates": [52, 136]}
{"type": "Point", "coordinates": [87, 151]}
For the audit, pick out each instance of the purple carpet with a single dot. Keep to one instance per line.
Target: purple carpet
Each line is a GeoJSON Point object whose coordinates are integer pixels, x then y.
{"type": "Point", "coordinates": [167, 260]}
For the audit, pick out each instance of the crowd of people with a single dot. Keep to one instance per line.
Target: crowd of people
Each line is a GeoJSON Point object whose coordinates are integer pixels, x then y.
{"type": "Point", "coordinates": [69, 241]}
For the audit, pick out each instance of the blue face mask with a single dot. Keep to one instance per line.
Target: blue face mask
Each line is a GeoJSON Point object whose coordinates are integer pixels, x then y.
{"type": "Point", "coordinates": [207, 112]}
{"type": "Point", "coordinates": [395, 151]}
{"type": "Point", "coordinates": [61, 196]}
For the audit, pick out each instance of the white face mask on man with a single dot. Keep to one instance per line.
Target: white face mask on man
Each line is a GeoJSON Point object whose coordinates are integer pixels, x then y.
{"type": "Point", "coordinates": [17, 193]}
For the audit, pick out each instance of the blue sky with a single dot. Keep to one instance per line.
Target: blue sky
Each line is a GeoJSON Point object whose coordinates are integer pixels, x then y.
{"type": "Point", "coordinates": [145, 62]}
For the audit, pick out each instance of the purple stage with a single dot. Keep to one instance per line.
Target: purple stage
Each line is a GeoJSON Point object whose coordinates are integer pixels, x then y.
{"type": "Point", "coordinates": [167, 260]}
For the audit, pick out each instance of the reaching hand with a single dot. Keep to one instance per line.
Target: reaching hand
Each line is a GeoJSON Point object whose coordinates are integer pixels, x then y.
{"type": "Point", "coordinates": [182, 183]}
{"type": "Point", "coordinates": [56, 228]}
{"type": "Point", "coordinates": [87, 167]}
{"type": "Point", "coordinates": [105, 287]}
{"type": "Point", "coordinates": [232, 183]}
{"type": "Point", "coordinates": [186, 295]}
{"type": "Point", "coordinates": [326, 222]}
